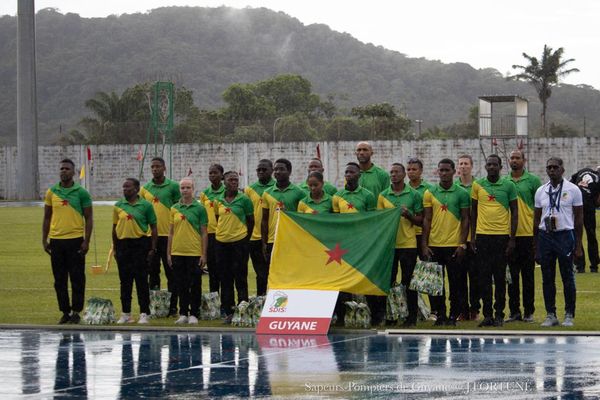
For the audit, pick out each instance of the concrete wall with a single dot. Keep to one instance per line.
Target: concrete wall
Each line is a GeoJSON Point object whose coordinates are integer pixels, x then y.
{"type": "Point", "coordinates": [113, 163]}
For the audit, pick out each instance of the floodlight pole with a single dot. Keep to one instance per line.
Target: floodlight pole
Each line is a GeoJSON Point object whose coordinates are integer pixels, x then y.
{"type": "Point", "coordinates": [27, 138]}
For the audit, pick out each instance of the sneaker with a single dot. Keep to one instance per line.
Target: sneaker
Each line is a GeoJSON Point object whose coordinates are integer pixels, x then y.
{"type": "Point", "coordinates": [451, 322]}
{"type": "Point", "coordinates": [550, 320]}
{"type": "Point", "coordinates": [227, 319]}
{"type": "Point", "coordinates": [192, 320]}
{"type": "Point", "coordinates": [463, 317]}
{"type": "Point", "coordinates": [64, 319]}
{"type": "Point", "coordinates": [498, 322]}
{"type": "Point", "coordinates": [126, 318]}
{"type": "Point", "coordinates": [440, 322]}
{"type": "Point", "coordinates": [594, 269]}
{"type": "Point", "coordinates": [514, 317]}
{"type": "Point", "coordinates": [474, 316]}
{"type": "Point", "coordinates": [487, 321]}
{"type": "Point", "coordinates": [183, 319]}
{"type": "Point", "coordinates": [75, 318]}
{"type": "Point", "coordinates": [144, 319]}
{"type": "Point", "coordinates": [528, 318]}
{"type": "Point", "coordinates": [568, 319]}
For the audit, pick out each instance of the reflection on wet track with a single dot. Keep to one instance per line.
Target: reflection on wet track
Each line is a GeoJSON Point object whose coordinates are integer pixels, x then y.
{"type": "Point", "coordinates": [76, 364]}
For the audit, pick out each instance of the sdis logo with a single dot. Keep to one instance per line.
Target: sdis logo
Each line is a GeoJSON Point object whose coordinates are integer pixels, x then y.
{"type": "Point", "coordinates": [280, 301]}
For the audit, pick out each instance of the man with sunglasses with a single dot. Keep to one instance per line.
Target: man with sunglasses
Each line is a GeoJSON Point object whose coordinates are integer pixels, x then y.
{"type": "Point", "coordinates": [558, 226]}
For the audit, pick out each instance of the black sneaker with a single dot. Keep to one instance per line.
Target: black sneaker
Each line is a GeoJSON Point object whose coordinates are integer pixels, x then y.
{"type": "Point", "coordinates": [75, 318]}
{"type": "Point", "coordinates": [499, 322]}
{"type": "Point", "coordinates": [487, 321]}
{"type": "Point", "coordinates": [514, 317]}
{"type": "Point", "coordinates": [451, 322]}
{"type": "Point", "coordinates": [594, 269]}
{"type": "Point", "coordinates": [65, 319]}
{"type": "Point", "coordinates": [441, 321]}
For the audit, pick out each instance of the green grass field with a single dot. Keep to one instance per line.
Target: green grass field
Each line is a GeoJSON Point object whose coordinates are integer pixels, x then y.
{"type": "Point", "coordinates": [27, 294]}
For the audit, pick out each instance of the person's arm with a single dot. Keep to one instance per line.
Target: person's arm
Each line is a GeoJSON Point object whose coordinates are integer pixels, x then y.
{"type": "Point", "coordinates": [169, 245]}
{"type": "Point", "coordinates": [88, 215]}
{"type": "Point", "coordinates": [578, 214]}
{"type": "Point", "coordinates": [154, 236]}
{"type": "Point", "coordinates": [114, 240]}
{"type": "Point", "coordinates": [464, 233]}
{"type": "Point", "coordinates": [264, 229]}
{"type": "Point", "coordinates": [514, 220]}
{"type": "Point", "coordinates": [473, 220]}
{"type": "Point", "coordinates": [204, 245]}
{"type": "Point", "coordinates": [425, 250]}
{"type": "Point", "coordinates": [249, 225]}
{"type": "Point", "coordinates": [416, 218]}
{"type": "Point", "coordinates": [46, 228]}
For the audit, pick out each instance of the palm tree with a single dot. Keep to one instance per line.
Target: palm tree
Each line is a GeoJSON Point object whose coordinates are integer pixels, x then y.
{"type": "Point", "coordinates": [544, 74]}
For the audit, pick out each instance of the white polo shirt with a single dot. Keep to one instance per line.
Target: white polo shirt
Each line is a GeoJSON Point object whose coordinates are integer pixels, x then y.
{"type": "Point", "coordinates": [570, 196]}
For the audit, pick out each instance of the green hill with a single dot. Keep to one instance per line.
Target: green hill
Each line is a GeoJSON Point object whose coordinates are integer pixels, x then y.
{"type": "Point", "coordinates": [208, 49]}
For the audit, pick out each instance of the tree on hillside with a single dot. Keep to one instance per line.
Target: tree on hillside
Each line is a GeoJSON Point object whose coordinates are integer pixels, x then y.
{"type": "Point", "coordinates": [544, 74]}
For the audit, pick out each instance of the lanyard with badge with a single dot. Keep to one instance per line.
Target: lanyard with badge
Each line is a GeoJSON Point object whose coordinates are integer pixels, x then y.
{"type": "Point", "coordinates": [554, 197]}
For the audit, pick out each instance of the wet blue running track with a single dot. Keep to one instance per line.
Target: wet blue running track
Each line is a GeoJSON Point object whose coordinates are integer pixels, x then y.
{"type": "Point", "coordinates": [109, 365]}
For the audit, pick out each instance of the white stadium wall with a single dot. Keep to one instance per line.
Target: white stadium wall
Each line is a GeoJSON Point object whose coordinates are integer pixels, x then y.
{"type": "Point", "coordinates": [113, 163]}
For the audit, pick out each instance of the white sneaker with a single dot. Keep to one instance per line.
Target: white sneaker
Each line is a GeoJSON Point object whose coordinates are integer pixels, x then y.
{"type": "Point", "coordinates": [550, 320]}
{"type": "Point", "coordinates": [144, 319]}
{"type": "Point", "coordinates": [192, 320]}
{"type": "Point", "coordinates": [182, 320]}
{"type": "Point", "coordinates": [125, 319]}
{"type": "Point", "coordinates": [568, 320]}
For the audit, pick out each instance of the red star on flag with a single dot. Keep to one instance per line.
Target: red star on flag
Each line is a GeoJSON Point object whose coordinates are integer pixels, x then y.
{"type": "Point", "coordinates": [444, 207]}
{"type": "Point", "coordinates": [350, 206]}
{"type": "Point", "coordinates": [155, 200]}
{"type": "Point", "coordinates": [182, 217]}
{"type": "Point", "coordinates": [65, 202]}
{"type": "Point", "coordinates": [129, 217]}
{"type": "Point", "coordinates": [491, 197]}
{"type": "Point", "coordinates": [227, 210]}
{"type": "Point", "coordinates": [335, 254]}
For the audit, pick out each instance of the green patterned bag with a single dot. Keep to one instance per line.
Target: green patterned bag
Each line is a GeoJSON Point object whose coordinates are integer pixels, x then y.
{"type": "Point", "coordinates": [99, 312]}
{"type": "Point", "coordinates": [396, 304]}
{"type": "Point", "coordinates": [358, 315]}
{"type": "Point", "coordinates": [210, 306]}
{"type": "Point", "coordinates": [428, 277]}
{"type": "Point", "coordinates": [423, 309]}
{"type": "Point", "coordinates": [160, 302]}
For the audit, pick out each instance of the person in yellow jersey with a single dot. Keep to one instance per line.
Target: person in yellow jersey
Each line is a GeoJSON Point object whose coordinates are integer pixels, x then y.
{"type": "Point", "coordinates": [68, 224]}
{"type": "Point", "coordinates": [207, 197]}
{"type": "Point", "coordinates": [445, 231]}
{"type": "Point", "coordinates": [235, 222]}
{"type": "Point", "coordinates": [494, 217]}
{"type": "Point", "coordinates": [402, 195]}
{"type": "Point", "coordinates": [354, 199]}
{"type": "Point", "coordinates": [283, 196]}
{"type": "Point", "coordinates": [162, 193]}
{"type": "Point", "coordinates": [317, 201]}
{"type": "Point", "coordinates": [264, 172]}
{"type": "Point", "coordinates": [188, 242]}
{"type": "Point", "coordinates": [522, 264]}
{"type": "Point", "coordinates": [134, 237]}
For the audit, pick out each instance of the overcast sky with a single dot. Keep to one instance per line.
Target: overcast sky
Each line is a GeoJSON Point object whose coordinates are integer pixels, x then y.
{"type": "Point", "coordinates": [480, 33]}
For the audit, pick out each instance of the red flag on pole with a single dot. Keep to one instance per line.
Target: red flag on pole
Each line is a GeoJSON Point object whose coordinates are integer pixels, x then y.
{"type": "Point", "coordinates": [190, 172]}
{"type": "Point", "coordinates": [89, 154]}
{"type": "Point", "coordinates": [139, 156]}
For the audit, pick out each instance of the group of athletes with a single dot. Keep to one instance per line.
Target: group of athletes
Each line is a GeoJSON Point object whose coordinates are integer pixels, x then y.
{"type": "Point", "coordinates": [473, 227]}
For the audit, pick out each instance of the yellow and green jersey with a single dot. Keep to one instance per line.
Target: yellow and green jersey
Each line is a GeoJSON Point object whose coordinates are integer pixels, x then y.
{"type": "Point", "coordinates": [327, 188]}
{"type": "Point", "coordinates": [359, 200]}
{"type": "Point", "coordinates": [468, 189]}
{"type": "Point", "coordinates": [308, 206]}
{"type": "Point", "coordinates": [133, 220]}
{"type": "Point", "coordinates": [409, 198]}
{"type": "Point", "coordinates": [275, 199]}
{"type": "Point", "coordinates": [162, 197]}
{"type": "Point", "coordinates": [67, 210]}
{"type": "Point", "coordinates": [232, 216]}
{"type": "Point", "coordinates": [423, 186]}
{"type": "Point", "coordinates": [374, 179]}
{"type": "Point", "coordinates": [207, 197]}
{"type": "Point", "coordinates": [526, 185]}
{"type": "Point", "coordinates": [446, 206]}
{"type": "Point", "coordinates": [493, 211]}
{"type": "Point", "coordinates": [255, 192]}
{"type": "Point", "coordinates": [187, 221]}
